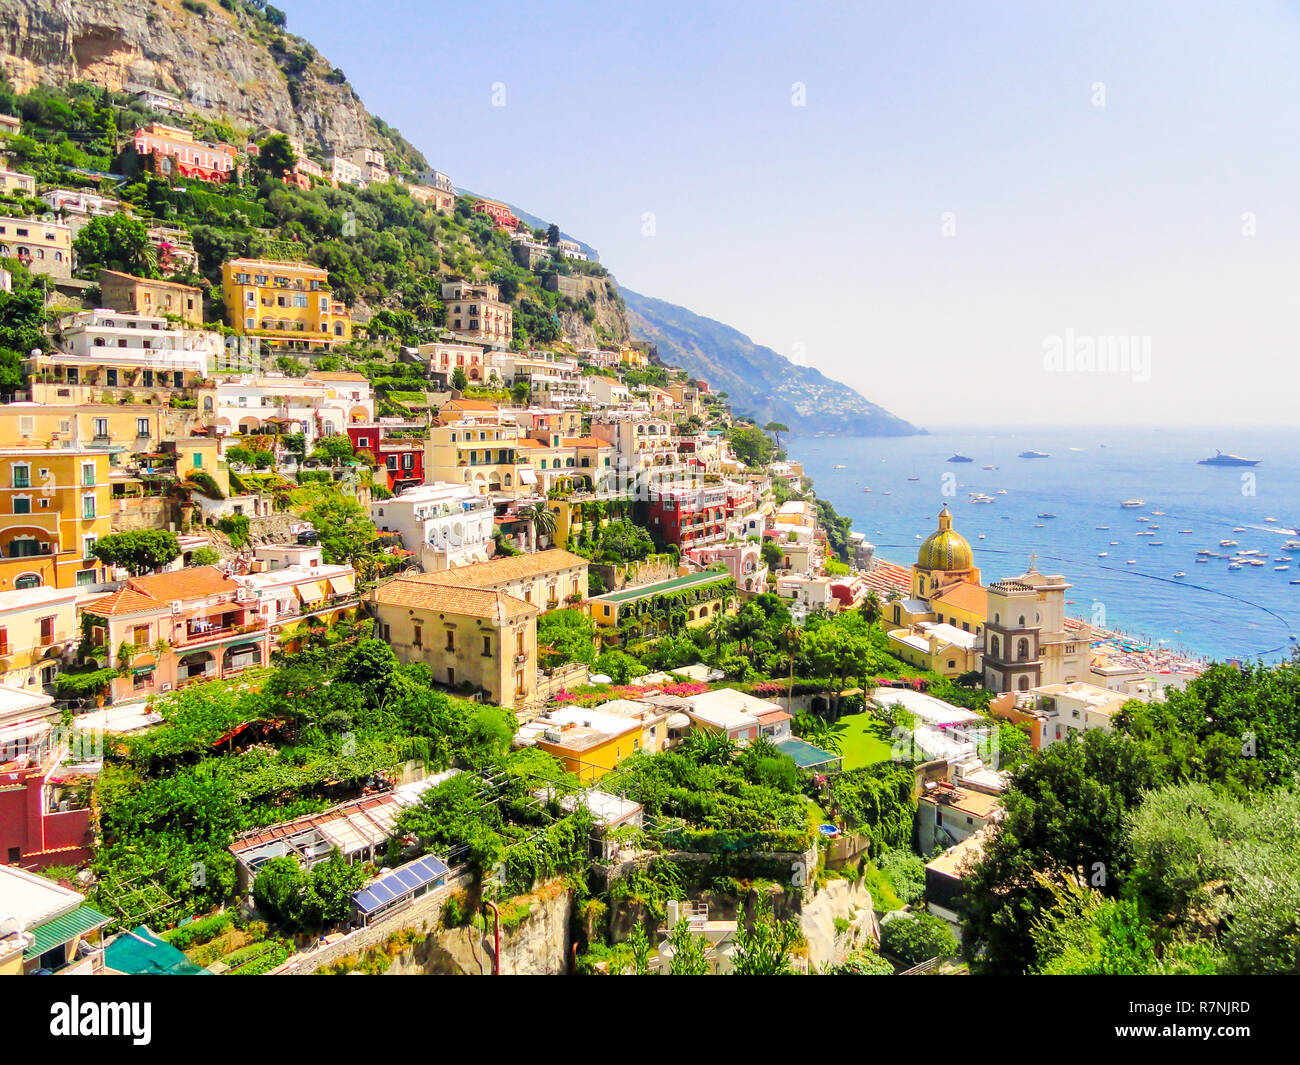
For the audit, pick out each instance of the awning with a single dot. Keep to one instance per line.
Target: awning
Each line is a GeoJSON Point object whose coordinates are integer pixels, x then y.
{"type": "Point", "coordinates": [64, 929]}
{"type": "Point", "coordinates": [527, 475]}
{"type": "Point", "coordinates": [342, 585]}
{"type": "Point", "coordinates": [310, 591]}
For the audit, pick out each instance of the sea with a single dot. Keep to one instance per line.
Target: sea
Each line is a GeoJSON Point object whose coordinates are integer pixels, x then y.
{"type": "Point", "coordinates": [1119, 580]}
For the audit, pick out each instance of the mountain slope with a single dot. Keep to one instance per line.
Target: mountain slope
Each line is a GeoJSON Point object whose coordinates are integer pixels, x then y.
{"type": "Point", "coordinates": [227, 65]}
{"type": "Point", "coordinates": [758, 381]}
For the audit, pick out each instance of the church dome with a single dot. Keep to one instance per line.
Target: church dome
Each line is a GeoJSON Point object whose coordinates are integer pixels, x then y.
{"type": "Point", "coordinates": [945, 549]}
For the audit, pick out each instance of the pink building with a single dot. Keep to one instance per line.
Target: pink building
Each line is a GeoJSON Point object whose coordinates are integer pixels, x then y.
{"type": "Point", "coordinates": [209, 623]}
{"type": "Point", "coordinates": [744, 562]}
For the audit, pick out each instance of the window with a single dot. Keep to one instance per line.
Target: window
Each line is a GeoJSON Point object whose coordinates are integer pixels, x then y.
{"type": "Point", "coordinates": [87, 475]}
{"type": "Point", "coordinates": [22, 504]}
{"type": "Point", "coordinates": [22, 477]}
{"type": "Point", "coordinates": [487, 646]}
{"type": "Point", "coordinates": [88, 546]}
{"type": "Point", "coordinates": [142, 427]}
{"type": "Point", "coordinates": [85, 578]}
{"type": "Point", "coordinates": [451, 639]}
{"type": "Point", "coordinates": [101, 427]}
{"type": "Point", "coordinates": [418, 639]}
{"type": "Point", "coordinates": [88, 505]}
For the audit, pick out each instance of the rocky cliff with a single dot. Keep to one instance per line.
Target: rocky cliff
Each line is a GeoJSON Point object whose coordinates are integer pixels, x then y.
{"type": "Point", "coordinates": [229, 65]}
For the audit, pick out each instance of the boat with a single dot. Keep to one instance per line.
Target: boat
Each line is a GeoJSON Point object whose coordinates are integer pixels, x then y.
{"type": "Point", "coordinates": [1234, 565]}
{"type": "Point", "coordinates": [1239, 528]}
{"type": "Point", "coordinates": [1227, 543]}
{"type": "Point", "coordinates": [1206, 552]}
{"type": "Point", "coordinates": [1220, 459]}
{"type": "Point", "coordinates": [914, 478]}
{"type": "Point", "coordinates": [1001, 492]}
{"type": "Point", "coordinates": [1047, 515]}
{"type": "Point", "coordinates": [866, 489]}
{"type": "Point", "coordinates": [1155, 543]}
{"type": "Point", "coordinates": [981, 536]}
{"type": "Point", "coordinates": [1103, 528]}
{"type": "Point", "coordinates": [1270, 519]}
{"type": "Point", "coordinates": [1131, 503]}
{"type": "Point", "coordinates": [988, 467]}
{"type": "Point", "coordinates": [1102, 554]}
{"type": "Point", "coordinates": [1144, 518]}
{"type": "Point", "coordinates": [960, 458]}
{"type": "Point", "coordinates": [1280, 569]}
{"type": "Point", "coordinates": [1158, 513]}
{"type": "Point", "coordinates": [1131, 562]}
{"type": "Point", "coordinates": [980, 497]}
{"type": "Point", "coordinates": [1295, 582]}
{"type": "Point", "coordinates": [839, 466]}
{"type": "Point", "coordinates": [1180, 573]}
{"type": "Point", "coordinates": [1144, 532]}
{"type": "Point", "coordinates": [1039, 525]}
{"type": "Point", "coordinates": [1034, 455]}
{"type": "Point", "coordinates": [1114, 543]}
{"type": "Point", "coordinates": [1184, 532]}
{"type": "Point", "coordinates": [886, 492]}
{"type": "Point", "coordinates": [1254, 562]}
{"type": "Point", "coordinates": [1153, 526]}
{"type": "Point", "coordinates": [1291, 545]}
{"type": "Point", "coordinates": [1201, 560]}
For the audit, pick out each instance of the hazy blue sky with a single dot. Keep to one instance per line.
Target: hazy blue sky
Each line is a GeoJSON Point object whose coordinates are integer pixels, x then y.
{"type": "Point", "coordinates": [821, 228]}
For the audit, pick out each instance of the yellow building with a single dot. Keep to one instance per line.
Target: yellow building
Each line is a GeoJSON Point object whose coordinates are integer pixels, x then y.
{"type": "Point", "coordinates": [54, 506]}
{"type": "Point", "coordinates": [946, 584]}
{"type": "Point", "coordinates": [286, 304]}
{"type": "Point", "coordinates": [648, 609]}
{"type": "Point", "coordinates": [37, 628]}
{"type": "Point", "coordinates": [484, 639]}
{"type": "Point", "coordinates": [545, 579]}
{"type": "Point", "coordinates": [42, 247]}
{"type": "Point", "coordinates": [590, 752]}
{"type": "Point", "coordinates": [483, 456]}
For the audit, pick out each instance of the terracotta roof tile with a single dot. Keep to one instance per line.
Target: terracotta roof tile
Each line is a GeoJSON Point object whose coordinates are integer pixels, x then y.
{"type": "Point", "coordinates": [963, 596]}
{"type": "Point", "coordinates": [472, 602]}
{"type": "Point", "coordinates": [335, 375]}
{"type": "Point", "coordinates": [199, 582]}
{"type": "Point", "coordinates": [504, 570]}
{"type": "Point", "coordinates": [124, 601]}
{"type": "Point", "coordinates": [584, 441]}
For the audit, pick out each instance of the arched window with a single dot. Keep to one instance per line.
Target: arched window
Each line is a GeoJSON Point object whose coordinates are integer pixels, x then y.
{"type": "Point", "coordinates": [1022, 621]}
{"type": "Point", "coordinates": [28, 580]}
{"type": "Point", "coordinates": [996, 647]}
{"type": "Point", "coordinates": [1023, 684]}
{"type": "Point", "coordinates": [1022, 650]}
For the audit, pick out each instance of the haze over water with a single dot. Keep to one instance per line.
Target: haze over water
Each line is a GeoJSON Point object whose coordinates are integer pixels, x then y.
{"type": "Point", "coordinates": [1212, 612]}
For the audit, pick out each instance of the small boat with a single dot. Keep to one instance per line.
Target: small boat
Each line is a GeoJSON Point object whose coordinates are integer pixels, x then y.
{"type": "Point", "coordinates": [1034, 455]}
{"type": "Point", "coordinates": [1144, 518]}
{"type": "Point", "coordinates": [988, 467]}
{"type": "Point", "coordinates": [1270, 520]}
{"type": "Point", "coordinates": [1158, 513]}
{"type": "Point", "coordinates": [1144, 532]}
{"type": "Point", "coordinates": [1039, 525]}
{"type": "Point", "coordinates": [1114, 543]}
{"type": "Point", "coordinates": [839, 466]}
{"type": "Point", "coordinates": [1129, 504]}
{"type": "Point", "coordinates": [1234, 565]}
{"type": "Point", "coordinates": [1184, 532]}
{"type": "Point", "coordinates": [886, 492]}
{"type": "Point", "coordinates": [1102, 554]}
{"type": "Point", "coordinates": [1047, 515]}
{"type": "Point", "coordinates": [914, 478]}
{"type": "Point", "coordinates": [1180, 573]}
{"type": "Point", "coordinates": [1227, 543]}
{"type": "Point", "coordinates": [1131, 562]}
{"type": "Point", "coordinates": [1280, 569]}
{"type": "Point", "coordinates": [1291, 545]}
{"type": "Point", "coordinates": [1220, 459]}
{"type": "Point", "coordinates": [981, 536]}
{"type": "Point", "coordinates": [866, 489]}
{"type": "Point", "coordinates": [1206, 551]}
{"type": "Point", "coordinates": [960, 458]}
{"type": "Point", "coordinates": [1000, 492]}
{"type": "Point", "coordinates": [1103, 528]}
{"type": "Point", "coordinates": [1153, 526]}
{"type": "Point", "coordinates": [1239, 528]}
{"type": "Point", "coordinates": [1295, 582]}
{"type": "Point", "coordinates": [1201, 560]}
{"type": "Point", "coordinates": [1257, 562]}
{"type": "Point", "coordinates": [1155, 543]}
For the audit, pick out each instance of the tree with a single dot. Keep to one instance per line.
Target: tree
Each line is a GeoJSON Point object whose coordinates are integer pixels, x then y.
{"type": "Point", "coordinates": [565, 636]}
{"type": "Point", "coordinates": [872, 609]}
{"type": "Point", "coordinates": [275, 156]}
{"type": "Point", "coordinates": [345, 529]}
{"type": "Point", "coordinates": [459, 379]}
{"type": "Point", "coordinates": [619, 666]}
{"type": "Point", "coordinates": [688, 956]}
{"type": "Point", "coordinates": [776, 429]}
{"type": "Point", "coordinates": [22, 322]}
{"type": "Point", "coordinates": [138, 552]}
{"type": "Point", "coordinates": [542, 518]}
{"type": "Point", "coordinates": [772, 554]}
{"type": "Point", "coordinates": [334, 450]}
{"type": "Point", "coordinates": [752, 446]}
{"type": "Point", "coordinates": [553, 235]}
{"type": "Point", "coordinates": [861, 963]}
{"type": "Point", "coordinates": [116, 242]}
{"type": "Point", "coordinates": [918, 937]}
{"type": "Point", "coordinates": [622, 541]}
{"type": "Point", "coordinates": [205, 556]}
{"type": "Point", "coordinates": [764, 949]}
{"type": "Point", "coordinates": [280, 890]}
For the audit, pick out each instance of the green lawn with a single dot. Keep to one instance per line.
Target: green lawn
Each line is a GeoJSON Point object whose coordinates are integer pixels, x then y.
{"type": "Point", "coordinates": [864, 740]}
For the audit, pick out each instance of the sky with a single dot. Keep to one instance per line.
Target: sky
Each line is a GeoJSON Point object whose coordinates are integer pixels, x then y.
{"type": "Point", "coordinates": [947, 206]}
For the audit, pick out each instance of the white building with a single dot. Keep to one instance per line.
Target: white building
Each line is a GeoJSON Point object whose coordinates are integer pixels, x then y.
{"type": "Point", "coordinates": [343, 171]}
{"type": "Point", "coordinates": [289, 580]}
{"type": "Point", "coordinates": [138, 341]}
{"type": "Point", "coordinates": [247, 403]}
{"type": "Point", "coordinates": [446, 525]}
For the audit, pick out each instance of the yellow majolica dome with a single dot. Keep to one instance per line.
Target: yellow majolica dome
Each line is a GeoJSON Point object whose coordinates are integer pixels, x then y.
{"type": "Point", "coordinates": [945, 549]}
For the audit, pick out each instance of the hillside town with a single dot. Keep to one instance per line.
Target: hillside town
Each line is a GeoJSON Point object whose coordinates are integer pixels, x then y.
{"type": "Point", "coordinates": [342, 636]}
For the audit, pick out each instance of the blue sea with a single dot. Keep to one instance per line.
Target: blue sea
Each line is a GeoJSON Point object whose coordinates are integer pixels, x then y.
{"type": "Point", "coordinates": [1212, 612]}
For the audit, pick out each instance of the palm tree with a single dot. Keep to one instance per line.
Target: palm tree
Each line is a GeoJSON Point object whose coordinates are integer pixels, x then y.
{"type": "Point", "coordinates": [776, 429]}
{"type": "Point", "coordinates": [542, 518]}
{"type": "Point", "coordinates": [872, 609]}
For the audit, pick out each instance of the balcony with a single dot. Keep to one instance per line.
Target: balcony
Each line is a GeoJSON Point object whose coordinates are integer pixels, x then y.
{"type": "Point", "coordinates": [197, 633]}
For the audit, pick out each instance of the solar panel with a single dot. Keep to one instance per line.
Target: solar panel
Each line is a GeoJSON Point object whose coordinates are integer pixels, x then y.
{"type": "Point", "coordinates": [400, 883]}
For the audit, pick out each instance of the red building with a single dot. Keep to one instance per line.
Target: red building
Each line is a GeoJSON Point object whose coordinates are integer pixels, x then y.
{"type": "Point", "coordinates": [687, 517]}
{"type": "Point", "coordinates": [175, 152]}
{"type": "Point", "coordinates": [401, 458]}
{"type": "Point", "coordinates": [504, 217]}
{"type": "Point", "coordinates": [44, 794]}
